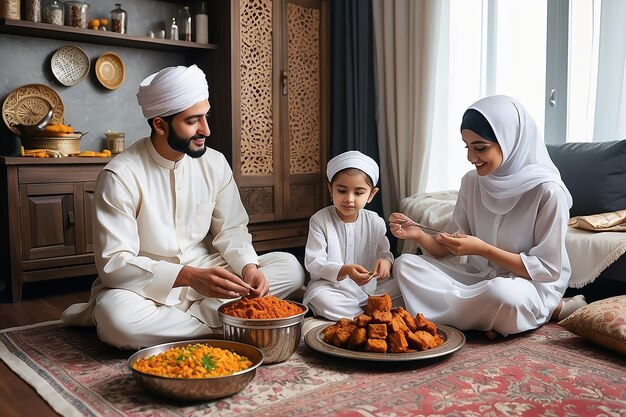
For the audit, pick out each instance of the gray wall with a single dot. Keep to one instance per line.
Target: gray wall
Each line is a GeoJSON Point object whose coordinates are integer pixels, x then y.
{"type": "Point", "coordinates": [88, 105]}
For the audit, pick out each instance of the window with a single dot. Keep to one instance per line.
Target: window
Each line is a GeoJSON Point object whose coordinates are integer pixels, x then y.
{"type": "Point", "coordinates": [563, 59]}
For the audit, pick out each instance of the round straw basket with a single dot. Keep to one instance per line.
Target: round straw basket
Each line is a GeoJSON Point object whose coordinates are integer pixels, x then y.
{"type": "Point", "coordinates": [66, 145]}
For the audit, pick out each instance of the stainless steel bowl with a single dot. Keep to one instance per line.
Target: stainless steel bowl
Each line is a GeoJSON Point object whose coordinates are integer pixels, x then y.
{"type": "Point", "coordinates": [197, 388]}
{"type": "Point", "coordinates": [277, 338]}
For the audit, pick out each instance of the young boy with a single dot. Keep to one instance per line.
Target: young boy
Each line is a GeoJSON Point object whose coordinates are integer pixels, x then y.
{"type": "Point", "coordinates": [347, 251]}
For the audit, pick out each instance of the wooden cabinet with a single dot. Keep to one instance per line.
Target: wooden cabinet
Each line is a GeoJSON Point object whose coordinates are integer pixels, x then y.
{"type": "Point", "coordinates": [267, 69]}
{"type": "Point", "coordinates": [47, 218]}
{"type": "Point", "coordinates": [280, 115]}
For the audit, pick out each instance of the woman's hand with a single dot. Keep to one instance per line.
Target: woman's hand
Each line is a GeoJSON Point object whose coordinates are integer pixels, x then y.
{"type": "Point", "coordinates": [253, 276]}
{"type": "Point", "coordinates": [214, 282]}
{"type": "Point", "coordinates": [382, 269]}
{"type": "Point", "coordinates": [460, 244]}
{"type": "Point", "coordinates": [356, 273]}
{"type": "Point", "coordinates": [403, 227]}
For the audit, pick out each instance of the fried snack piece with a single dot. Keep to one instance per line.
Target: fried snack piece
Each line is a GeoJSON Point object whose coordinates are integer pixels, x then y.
{"type": "Point", "coordinates": [376, 345]}
{"type": "Point", "coordinates": [381, 317]}
{"type": "Point", "coordinates": [362, 320]}
{"type": "Point", "coordinates": [328, 334]}
{"type": "Point", "coordinates": [424, 324]}
{"type": "Point", "coordinates": [407, 317]}
{"type": "Point", "coordinates": [397, 342]}
{"type": "Point", "coordinates": [344, 322]}
{"type": "Point", "coordinates": [426, 340]}
{"type": "Point", "coordinates": [378, 303]}
{"type": "Point", "coordinates": [342, 335]}
{"type": "Point", "coordinates": [357, 338]}
{"type": "Point", "coordinates": [377, 331]}
{"type": "Point", "coordinates": [416, 342]}
{"type": "Point", "coordinates": [397, 324]}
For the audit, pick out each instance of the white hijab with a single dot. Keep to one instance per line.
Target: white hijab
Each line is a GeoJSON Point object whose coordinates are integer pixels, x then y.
{"type": "Point", "coordinates": [525, 159]}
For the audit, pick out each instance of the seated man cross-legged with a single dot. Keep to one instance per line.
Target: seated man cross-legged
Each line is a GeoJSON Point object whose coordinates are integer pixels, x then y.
{"type": "Point", "coordinates": [171, 242]}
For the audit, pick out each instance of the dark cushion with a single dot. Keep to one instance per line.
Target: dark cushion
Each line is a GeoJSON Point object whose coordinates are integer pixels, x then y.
{"type": "Point", "coordinates": [594, 173]}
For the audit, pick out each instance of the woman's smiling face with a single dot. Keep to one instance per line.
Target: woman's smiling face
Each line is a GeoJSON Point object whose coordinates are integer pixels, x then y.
{"type": "Point", "coordinates": [484, 154]}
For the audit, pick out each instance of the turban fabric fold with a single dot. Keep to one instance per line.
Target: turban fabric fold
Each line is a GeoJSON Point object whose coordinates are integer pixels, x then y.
{"type": "Point", "coordinates": [172, 90]}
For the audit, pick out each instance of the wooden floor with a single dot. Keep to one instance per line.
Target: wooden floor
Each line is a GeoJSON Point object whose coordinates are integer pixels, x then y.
{"type": "Point", "coordinates": [41, 302]}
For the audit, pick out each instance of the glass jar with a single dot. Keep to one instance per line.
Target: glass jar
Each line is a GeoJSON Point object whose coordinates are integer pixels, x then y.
{"type": "Point", "coordinates": [76, 14]}
{"type": "Point", "coordinates": [115, 141]}
{"type": "Point", "coordinates": [32, 10]}
{"type": "Point", "coordinates": [10, 9]}
{"type": "Point", "coordinates": [184, 24]}
{"type": "Point", "coordinates": [52, 13]}
{"type": "Point", "coordinates": [119, 19]}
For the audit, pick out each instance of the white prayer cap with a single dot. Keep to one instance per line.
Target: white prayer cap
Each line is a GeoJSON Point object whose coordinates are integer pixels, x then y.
{"type": "Point", "coordinates": [352, 159]}
{"type": "Point", "coordinates": [172, 90]}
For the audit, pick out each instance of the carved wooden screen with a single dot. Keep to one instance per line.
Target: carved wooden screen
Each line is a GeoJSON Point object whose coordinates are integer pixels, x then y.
{"type": "Point", "coordinates": [256, 87]}
{"type": "Point", "coordinates": [279, 149]}
{"type": "Point", "coordinates": [304, 88]}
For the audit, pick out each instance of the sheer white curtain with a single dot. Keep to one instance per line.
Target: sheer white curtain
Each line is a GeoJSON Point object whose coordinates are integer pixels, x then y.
{"type": "Point", "coordinates": [411, 78]}
{"type": "Point", "coordinates": [610, 112]}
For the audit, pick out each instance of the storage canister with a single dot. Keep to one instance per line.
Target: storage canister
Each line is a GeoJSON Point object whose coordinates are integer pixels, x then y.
{"type": "Point", "coordinates": [52, 13]}
{"type": "Point", "coordinates": [32, 10]}
{"type": "Point", "coordinates": [10, 9]}
{"type": "Point", "coordinates": [115, 141]}
{"type": "Point", "coordinates": [76, 14]}
{"type": "Point", "coordinates": [119, 19]}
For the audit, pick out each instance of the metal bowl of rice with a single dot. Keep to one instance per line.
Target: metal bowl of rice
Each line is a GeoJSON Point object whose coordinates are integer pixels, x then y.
{"type": "Point", "coordinates": [277, 338]}
{"type": "Point", "coordinates": [197, 389]}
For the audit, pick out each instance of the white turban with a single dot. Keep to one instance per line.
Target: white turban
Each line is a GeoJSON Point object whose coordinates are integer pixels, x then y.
{"type": "Point", "coordinates": [172, 90]}
{"type": "Point", "coordinates": [352, 159]}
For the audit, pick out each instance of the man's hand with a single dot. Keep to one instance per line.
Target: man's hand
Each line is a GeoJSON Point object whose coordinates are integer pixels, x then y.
{"type": "Point", "coordinates": [214, 282]}
{"type": "Point", "coordinates": [253, 276]}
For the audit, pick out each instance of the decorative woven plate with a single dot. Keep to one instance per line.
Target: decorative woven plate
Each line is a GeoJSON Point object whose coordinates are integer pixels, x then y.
{"type": "Point", "coordinates": [29, 103]}
{"type": "Point", "coordinates": [70, 65]}
{"type": "Point", "coordinates": [110, 70]}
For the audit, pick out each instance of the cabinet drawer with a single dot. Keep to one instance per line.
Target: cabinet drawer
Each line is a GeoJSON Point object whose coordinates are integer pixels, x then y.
{"type": "Point", "coordinates": [34, 174]}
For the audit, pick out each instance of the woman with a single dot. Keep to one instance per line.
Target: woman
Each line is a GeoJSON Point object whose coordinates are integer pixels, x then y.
{"type": "Point", "coordinates": [512, 214]}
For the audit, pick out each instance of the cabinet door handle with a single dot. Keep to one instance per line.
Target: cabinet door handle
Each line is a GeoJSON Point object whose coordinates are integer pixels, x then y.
{"type": "Point", "coordinates": [70, 217]}
{"type": "Point", "coordinates": [283, 81]}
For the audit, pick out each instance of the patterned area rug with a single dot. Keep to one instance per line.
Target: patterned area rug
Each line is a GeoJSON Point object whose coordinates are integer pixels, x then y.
{"type": "Point", "coordinates": [547, 372]}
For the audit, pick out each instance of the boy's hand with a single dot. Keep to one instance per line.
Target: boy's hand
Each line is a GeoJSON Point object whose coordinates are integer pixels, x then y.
{"type": "Point", "coordinates": [356, 273]}
{"type": "Point", "coordinates": [382, 269]}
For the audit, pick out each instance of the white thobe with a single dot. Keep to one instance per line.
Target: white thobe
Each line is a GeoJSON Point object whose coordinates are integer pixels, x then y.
{"type": "Point", "coordinates": [477, 294]}
{"type": "Point", "coordinates": [152, 217]}
{"type": "Point", "coordinates": [332, 243]}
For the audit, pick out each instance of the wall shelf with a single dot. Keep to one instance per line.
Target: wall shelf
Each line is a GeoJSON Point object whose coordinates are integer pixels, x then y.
{"type": "Point", "coordinates": [67, 33]}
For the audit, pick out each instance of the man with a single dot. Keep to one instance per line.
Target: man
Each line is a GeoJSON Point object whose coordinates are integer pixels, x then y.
{"type": "Point", "coordinates": [170, 232]}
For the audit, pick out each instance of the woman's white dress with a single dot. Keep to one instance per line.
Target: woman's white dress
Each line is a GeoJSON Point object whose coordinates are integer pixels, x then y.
{"type": "Point", "coordinates": [476, 294]}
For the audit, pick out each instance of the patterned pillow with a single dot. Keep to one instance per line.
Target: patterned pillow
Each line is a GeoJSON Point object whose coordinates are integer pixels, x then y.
{"type": "Point", "coordinates": [602, 322]}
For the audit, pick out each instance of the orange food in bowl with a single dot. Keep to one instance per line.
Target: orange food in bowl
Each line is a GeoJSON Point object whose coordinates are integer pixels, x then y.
{"type": "Point", "coordinates": [196, 360]}
{"type": "Point", "coordinates": [268, 307]}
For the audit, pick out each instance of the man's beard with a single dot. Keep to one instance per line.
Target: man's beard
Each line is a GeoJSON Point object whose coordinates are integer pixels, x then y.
{"type": "Point", "coordinates": [183, 145]}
